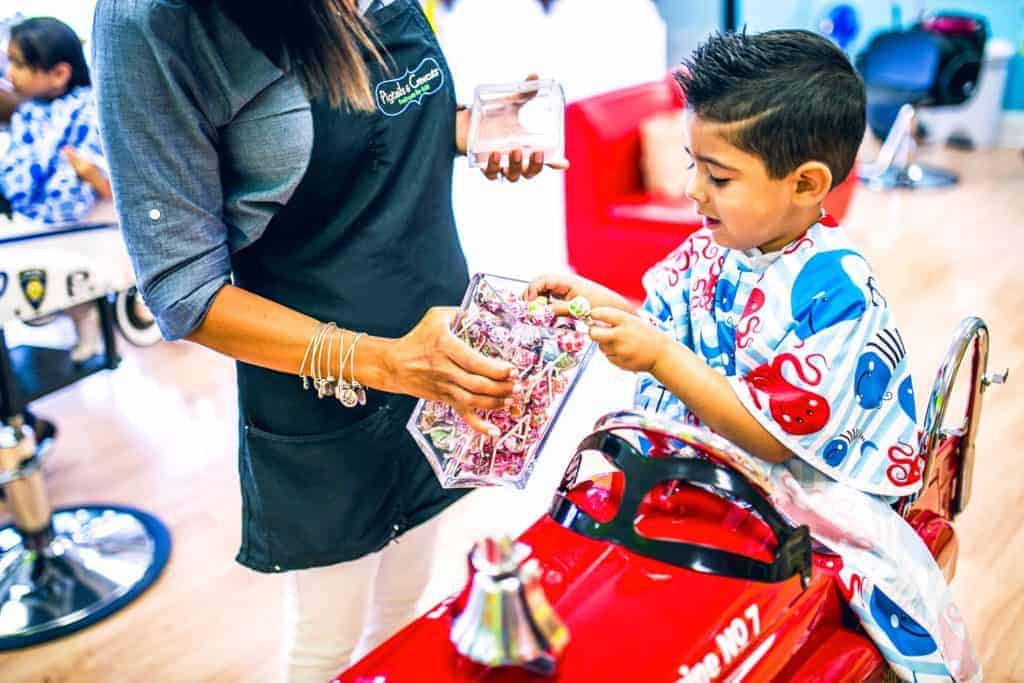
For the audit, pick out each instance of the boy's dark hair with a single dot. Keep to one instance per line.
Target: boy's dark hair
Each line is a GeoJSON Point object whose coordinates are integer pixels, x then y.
{"type": "Point", "coordinates": [45, 42]}
{"type": "Point", "coordinates": [802, 98]}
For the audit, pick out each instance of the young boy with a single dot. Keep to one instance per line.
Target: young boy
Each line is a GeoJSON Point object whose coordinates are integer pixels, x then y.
{"type": "Point", "coordinates": [767, 327]}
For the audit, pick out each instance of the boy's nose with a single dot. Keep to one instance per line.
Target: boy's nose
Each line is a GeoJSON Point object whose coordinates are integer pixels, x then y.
{"type": "Point", "coordinates": [695, 190]}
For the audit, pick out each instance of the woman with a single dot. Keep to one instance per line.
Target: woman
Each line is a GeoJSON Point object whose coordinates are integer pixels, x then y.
{"type": "Point", "coordinates": [277, 166]}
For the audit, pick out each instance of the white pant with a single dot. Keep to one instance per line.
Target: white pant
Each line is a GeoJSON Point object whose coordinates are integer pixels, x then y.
{"type": "Point", "coordinates": [336, 614]}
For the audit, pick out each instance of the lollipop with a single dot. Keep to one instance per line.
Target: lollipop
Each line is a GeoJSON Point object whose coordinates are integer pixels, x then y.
{"type": "Point", "coordinates": [546, 351]}
{"type": "Point", "coordinates": [579, 308]}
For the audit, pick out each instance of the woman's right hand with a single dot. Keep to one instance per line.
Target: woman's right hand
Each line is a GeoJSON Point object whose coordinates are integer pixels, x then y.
{"type": "Point", "coordinates": [432, 363]}
{"type": "Point", "coordinates": [565, 287]}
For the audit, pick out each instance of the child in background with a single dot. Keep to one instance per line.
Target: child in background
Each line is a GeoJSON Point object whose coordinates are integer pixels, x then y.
{"type": "Point", "coordinates": [53, 170]}
{"type": "Point", "coordinates": [767, 326]}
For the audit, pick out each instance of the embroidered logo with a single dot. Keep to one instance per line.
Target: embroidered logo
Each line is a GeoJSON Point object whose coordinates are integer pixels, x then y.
{"type": "Point", "coordinates": [33, 284]}
{"type": "Point", "coordinates": [395, 95]}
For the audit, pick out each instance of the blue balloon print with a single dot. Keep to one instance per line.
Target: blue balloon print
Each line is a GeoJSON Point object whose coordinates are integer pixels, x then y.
{"type": "Point", "coordinates": [870, 380]}
{"type": "Point", "coordinates": [906, 634]}
{"type": "Point", "coordinates": [906, 398]}
{"type": "Point", "coordinates": [27, 138]}
{"type": "Point", "coordinates": [837, 449]}
{"type": "Point", "coordinates": [824, 294]}
{"type": "Point", "coordinates": [835, 452]}
{"type": "Point", "coordinates": [725, 295]}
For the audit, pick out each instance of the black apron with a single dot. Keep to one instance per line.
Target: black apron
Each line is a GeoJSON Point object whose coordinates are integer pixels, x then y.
{"type": "Point", "coordinates": [368, 241]}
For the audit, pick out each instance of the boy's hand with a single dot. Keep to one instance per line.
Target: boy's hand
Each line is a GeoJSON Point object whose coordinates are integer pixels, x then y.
{"type": "Point", "coordinates": [627, 341]}
{"type": "Point", "coordinates": [564, 288]}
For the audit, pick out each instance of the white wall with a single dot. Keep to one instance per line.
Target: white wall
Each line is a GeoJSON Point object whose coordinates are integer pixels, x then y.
{"type": "Point", "coordinates": [75, 13]}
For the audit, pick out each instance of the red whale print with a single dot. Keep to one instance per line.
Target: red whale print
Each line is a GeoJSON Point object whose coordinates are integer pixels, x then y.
{"type": "Point", "coordinates": [796, 410]}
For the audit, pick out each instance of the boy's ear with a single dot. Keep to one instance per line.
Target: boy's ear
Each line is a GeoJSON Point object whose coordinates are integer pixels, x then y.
{"type": "Point", "coordinates": [813, 182]}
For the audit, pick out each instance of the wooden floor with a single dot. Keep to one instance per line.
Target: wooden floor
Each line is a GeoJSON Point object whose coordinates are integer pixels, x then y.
{"type": "Point", "coordinates": [159, 433]}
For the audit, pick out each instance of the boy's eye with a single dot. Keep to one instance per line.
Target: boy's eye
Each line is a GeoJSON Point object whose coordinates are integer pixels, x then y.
{"type": "Point", "coordinates": [718, 181]}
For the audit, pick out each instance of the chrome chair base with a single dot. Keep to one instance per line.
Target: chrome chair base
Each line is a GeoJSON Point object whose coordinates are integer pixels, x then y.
{"type": "Point", "coordinates": [895, 166]}
{"type": "Point", "coordinates": [93, 561]}
{"type": "Point", "coordinates": [913, 177]}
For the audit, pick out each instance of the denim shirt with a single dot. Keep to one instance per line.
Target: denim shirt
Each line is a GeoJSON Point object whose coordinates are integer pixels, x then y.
{"type": "Point", "coordinates": [206, 139]}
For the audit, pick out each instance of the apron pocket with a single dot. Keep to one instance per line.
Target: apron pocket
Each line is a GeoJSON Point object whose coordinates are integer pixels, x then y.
{"type": "Point", "coordinates": [324, 498]}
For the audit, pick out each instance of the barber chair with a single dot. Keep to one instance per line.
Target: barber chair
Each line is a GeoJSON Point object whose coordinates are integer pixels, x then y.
{"type": "Point", "coordinates": [936, 63]}
{"type": "Point", "coordinates": [64, 568]}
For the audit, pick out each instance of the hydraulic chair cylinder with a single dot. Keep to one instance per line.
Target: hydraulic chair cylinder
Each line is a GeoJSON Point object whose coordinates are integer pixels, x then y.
{"type": "Point", "coordinates": [24, 489]}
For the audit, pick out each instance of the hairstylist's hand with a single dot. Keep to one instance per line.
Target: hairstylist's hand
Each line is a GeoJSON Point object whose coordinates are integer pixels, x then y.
{"type": "Point", "coordinates": [499, 127]}
{"type": "Point", "coordinates": [430, 362]}
{"type": "Point", "coordinates": [561, 288]}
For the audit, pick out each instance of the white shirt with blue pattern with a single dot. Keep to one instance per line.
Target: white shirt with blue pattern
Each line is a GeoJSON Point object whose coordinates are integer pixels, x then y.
{"type": "Point", "coordinates": [808, 343]}
{"type": "Point", "coordinates": [35, 177]}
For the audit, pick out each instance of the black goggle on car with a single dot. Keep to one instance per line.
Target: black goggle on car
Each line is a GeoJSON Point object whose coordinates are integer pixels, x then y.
{"type": "Point", "coordinates": [651, 451]}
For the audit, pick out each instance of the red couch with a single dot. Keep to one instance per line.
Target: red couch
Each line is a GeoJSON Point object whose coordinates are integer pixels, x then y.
{"type": "Point", "coordinates": [615, 230]}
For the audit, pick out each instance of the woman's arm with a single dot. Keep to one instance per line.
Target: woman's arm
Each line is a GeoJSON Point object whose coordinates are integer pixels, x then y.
{"type": "Point", "coordinates": [428, 362]}
{"type": "Point", "coordinates": [165, 167]}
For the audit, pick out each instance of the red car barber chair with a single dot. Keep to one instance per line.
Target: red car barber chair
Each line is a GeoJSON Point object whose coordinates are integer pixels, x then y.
{"type": "Point", "coordinates": [675, 569]}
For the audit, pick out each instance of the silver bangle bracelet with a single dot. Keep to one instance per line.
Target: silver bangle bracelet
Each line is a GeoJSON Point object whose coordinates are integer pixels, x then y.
{"type": "Point", "coordinates": [315, 368]}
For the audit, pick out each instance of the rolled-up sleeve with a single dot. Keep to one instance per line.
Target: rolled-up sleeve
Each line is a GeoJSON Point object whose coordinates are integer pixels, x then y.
{"type": "Point", "coordinates": [159, 131]}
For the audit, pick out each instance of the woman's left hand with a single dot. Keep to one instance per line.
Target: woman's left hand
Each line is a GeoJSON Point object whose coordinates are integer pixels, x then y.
{"type": "Point", "coordinates": [627, 341]}
{"type": "Point", "coordinates": [516, 168]}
